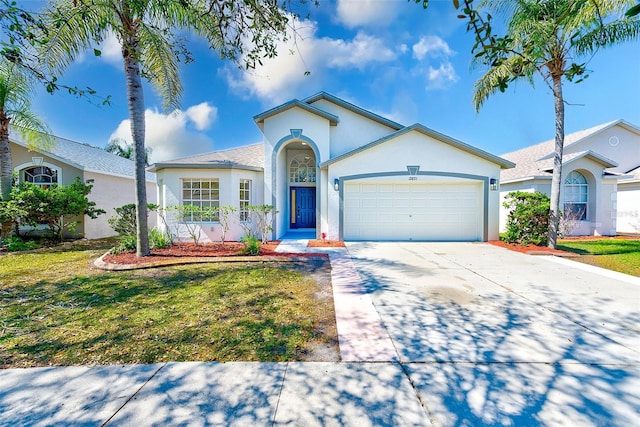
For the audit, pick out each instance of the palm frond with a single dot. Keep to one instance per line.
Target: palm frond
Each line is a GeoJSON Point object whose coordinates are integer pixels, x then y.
{"type": "Point", "coordinates": [74, 28]}
{"type": "Point", "coordinates": [498, 77]}
{"type": "Point", "coordinates": [622, 30]}
{"type": "Point", "coordinates": [160, 65]}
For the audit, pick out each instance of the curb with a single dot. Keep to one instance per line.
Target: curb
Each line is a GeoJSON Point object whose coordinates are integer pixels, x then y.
{"type": "Point", "coordinates": [102, 265]}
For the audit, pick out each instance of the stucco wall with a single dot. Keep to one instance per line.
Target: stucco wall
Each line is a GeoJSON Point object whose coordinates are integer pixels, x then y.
{"type": "Point", "coordinates": [170, 194]}
{"type": "Point", "coordinates": [353, 130]}
{"type": "Point", "coordinates": [413, 148]}
{"type": "Point", "coordinates": [615, 143]}
{"type": "Point", "coordinates": [628, 212]}
{"type": "Point", "coordinates": [110, 192]}
{"type": "Point", "coordinates": [23, 158]}
{"type": "Point", "coordinates": [601, 207]}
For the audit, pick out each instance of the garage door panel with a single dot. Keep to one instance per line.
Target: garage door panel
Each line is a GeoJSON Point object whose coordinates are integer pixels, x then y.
{"type": "Point", "coordinates": [414, 211]}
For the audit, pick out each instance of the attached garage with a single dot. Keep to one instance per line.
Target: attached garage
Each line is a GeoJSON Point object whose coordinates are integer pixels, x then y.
{"type": "Point", "coordinates": [427, 211]}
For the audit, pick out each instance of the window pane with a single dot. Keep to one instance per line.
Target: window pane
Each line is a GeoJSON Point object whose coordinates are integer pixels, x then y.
{"type": "Point", "coordinates": [199, 193]}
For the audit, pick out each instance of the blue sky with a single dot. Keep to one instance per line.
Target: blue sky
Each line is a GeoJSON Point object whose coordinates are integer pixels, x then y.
{"type": "Point", "coordinates": [388, 56]}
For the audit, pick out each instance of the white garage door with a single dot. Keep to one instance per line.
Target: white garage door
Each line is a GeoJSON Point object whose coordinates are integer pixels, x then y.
{"type": "Point", "coordinates": [413, 211]}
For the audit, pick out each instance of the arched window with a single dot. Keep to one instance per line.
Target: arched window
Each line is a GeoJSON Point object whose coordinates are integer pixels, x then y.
{"type": "Point", "coordinates": [40, 175]}
{"type": "Point", "coordinates": [302, 169]}
{"type": "Point", "coordinates": [576, 192]}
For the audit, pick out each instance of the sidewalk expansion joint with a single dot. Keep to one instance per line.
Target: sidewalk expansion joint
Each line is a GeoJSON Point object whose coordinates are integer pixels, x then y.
{"type": "Point", "coordinates": [284, 377]}
{"type": "Point", "coordinates": [133, 395]}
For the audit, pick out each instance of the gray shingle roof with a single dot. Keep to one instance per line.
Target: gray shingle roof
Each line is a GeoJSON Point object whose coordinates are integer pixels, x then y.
{"type": "Point", "coordinates": [86, 157]}
{"type": "Point", "coordinates": [526, 159]}
{"type": "Point", "coordinates": [246, 157]}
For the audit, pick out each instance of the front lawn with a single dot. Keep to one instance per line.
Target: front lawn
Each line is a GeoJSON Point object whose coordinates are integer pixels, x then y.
{"type": "Point", "coordinates": [616, 254]}
{"type": "Point", "coordinates": [56, 309]}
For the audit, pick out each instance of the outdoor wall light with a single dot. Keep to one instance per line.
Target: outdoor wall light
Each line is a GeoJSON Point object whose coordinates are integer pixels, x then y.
{"type": "Point", "coordinates": [493, 184]}
{"type": "Point", "coordinates": [336, 184]}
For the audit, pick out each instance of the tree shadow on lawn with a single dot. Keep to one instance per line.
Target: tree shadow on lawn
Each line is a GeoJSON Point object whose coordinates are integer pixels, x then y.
{"type": "Point", "coordinates": [166, 314]}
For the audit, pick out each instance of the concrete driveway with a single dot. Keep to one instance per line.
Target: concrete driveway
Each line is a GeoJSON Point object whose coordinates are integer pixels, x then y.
{"type": "Point", "coordinates": [490, 336]}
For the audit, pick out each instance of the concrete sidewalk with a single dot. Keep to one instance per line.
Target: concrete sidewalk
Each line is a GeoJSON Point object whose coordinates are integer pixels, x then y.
{"type": "Point", "coordinates": [224, 394]}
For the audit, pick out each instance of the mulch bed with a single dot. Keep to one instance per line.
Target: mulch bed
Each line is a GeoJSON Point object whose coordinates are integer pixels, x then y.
{"type": "Point", "coordinates": [533, 249]}
{"type": "Point", "coordinates": [190, 250]}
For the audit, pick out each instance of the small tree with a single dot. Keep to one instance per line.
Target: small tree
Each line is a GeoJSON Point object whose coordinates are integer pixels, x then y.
{"type": "Point", "coordinates": [192, 217]}
{"type": "Point", "coordinates": [263, 215]}
{"type": "Point", "coordinates": [224, 216]}
{"type": "Point", "coordinates": [528, 220]}
{"type": "Point", "coordinates": [55, 206]}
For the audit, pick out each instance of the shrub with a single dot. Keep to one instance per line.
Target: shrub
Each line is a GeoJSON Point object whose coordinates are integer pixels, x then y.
{"type": "Point", "coordinates": [159, 239]}
{"type": "Point", "coordinates": [528, 219]}
{"type": "Point", "coordinates": [251, 246]}
{"type": "Point", "coordinates": [127, 244]}
{"type": "Point", "coordinates": [124, 223]}
{"type": "Point", "coordinates": [16, 244]}
{"type": "Point", "coordinates": [55, 205]}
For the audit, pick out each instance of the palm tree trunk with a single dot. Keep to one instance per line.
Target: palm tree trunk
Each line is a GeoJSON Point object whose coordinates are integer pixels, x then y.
{"type": "Point", "coordinates": [556, 181]}
{"type": "Point", "coordinates": [6, 167]}
{"type": "Point", "coordinates": [135, 99]}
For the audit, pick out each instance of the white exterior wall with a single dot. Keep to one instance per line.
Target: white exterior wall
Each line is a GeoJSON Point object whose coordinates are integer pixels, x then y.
{"type": "Point", "coordinates": [277, 128]}
{"type": "Point", "coordinates": [353, 130]}
{"type": "Point", "coordinates": [170, 194]}
{"type": "Point", "coordinates": [110, 192]}
{"type": "Point", "coordinates": [628, 212]}
{"type": "Point", "coordinates": [413, 148]}
{"type": "Point", "coordinates": [615, 143]}
{"type": "Point", "coordinates": [601, 207]}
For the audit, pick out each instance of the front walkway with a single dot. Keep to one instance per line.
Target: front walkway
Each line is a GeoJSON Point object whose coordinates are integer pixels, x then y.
{"type": "Point", "coordinates": [361, 335]}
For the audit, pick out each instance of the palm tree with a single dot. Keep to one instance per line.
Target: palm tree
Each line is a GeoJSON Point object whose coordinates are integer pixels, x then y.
{"type": "Point", "coordinates": [16, 86]}
{"type": "Point", "coordinates": [145, 31]}
{"type": "Point", "coordinates": [544, 38]}
{"type": "Point", "coordinates": [122, 148]}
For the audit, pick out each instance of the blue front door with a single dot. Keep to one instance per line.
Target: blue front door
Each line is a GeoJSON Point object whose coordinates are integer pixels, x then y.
{"type": "Point", "coordinates": [303, 207]}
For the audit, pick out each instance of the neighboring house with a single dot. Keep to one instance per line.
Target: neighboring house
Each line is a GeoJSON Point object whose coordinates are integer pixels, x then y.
{"type": "Point", "coordinates": [337, 170]}
{"type": "Point", "coordinates": [600, 192]}
{"type": "Point", "coordinates": [113, 177]}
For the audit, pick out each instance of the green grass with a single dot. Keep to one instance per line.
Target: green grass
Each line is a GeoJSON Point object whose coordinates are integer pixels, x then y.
{"type": "Point", "coordinates": [613, 254]}
{"type": "Point", "coordinates": [56, 309]}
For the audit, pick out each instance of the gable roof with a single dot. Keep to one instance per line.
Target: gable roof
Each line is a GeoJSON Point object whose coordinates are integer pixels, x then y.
{"type": "Point", "coordinates": [354, 108]}
{"type": "Point", "coordinates": [433, 134]}
{"type": "Point", "coordinates": [85, 157]}
{"type": "Point", "coordinates": [248, 157]}
{"type": "Point", "coordinates": [294, 103]}
{"type": "Point", "coordinates": [546, 163]}
{"type": "Point", "coordinates": [531, 161]}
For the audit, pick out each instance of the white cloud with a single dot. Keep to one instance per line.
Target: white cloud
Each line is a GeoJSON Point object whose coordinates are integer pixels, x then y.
{"type": "Point", "coordinates": [432, 46]}
{"type": "Point", "coordinates": [278, 79]}
{"type": "Point", "coordinates": [354, 13]}
{"type": "Point", "coordinates": [169, 135]}
{"type": "Point", "coordinates": [111, 50]}
{"type": "Point", "coordinates": [433, 55]}
{"type": "Point", "coordinates": [202, 115]}
{"type": "Point", "coordinates": [441, 77]}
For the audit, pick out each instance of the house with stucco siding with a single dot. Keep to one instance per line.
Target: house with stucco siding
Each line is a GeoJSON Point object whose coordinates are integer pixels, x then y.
{"type": "Point", "coordinates": [600, 190]}
{"type": "Point", "coordinates": [113, 177]}
{"type": "Point", "coordinates": [333, 169]}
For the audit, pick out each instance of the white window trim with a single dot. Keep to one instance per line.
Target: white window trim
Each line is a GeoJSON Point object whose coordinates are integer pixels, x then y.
{"type": "Point", "coordinates": [309, 163]}
{"type": "Point", "coordinates": [20, 169]}
{"type": "Point", "coordinates": [240, 200]}
{"type": "Point", "coordinates": [182, 203]}
{"type": "Point", "coordinates": [586, 185]}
